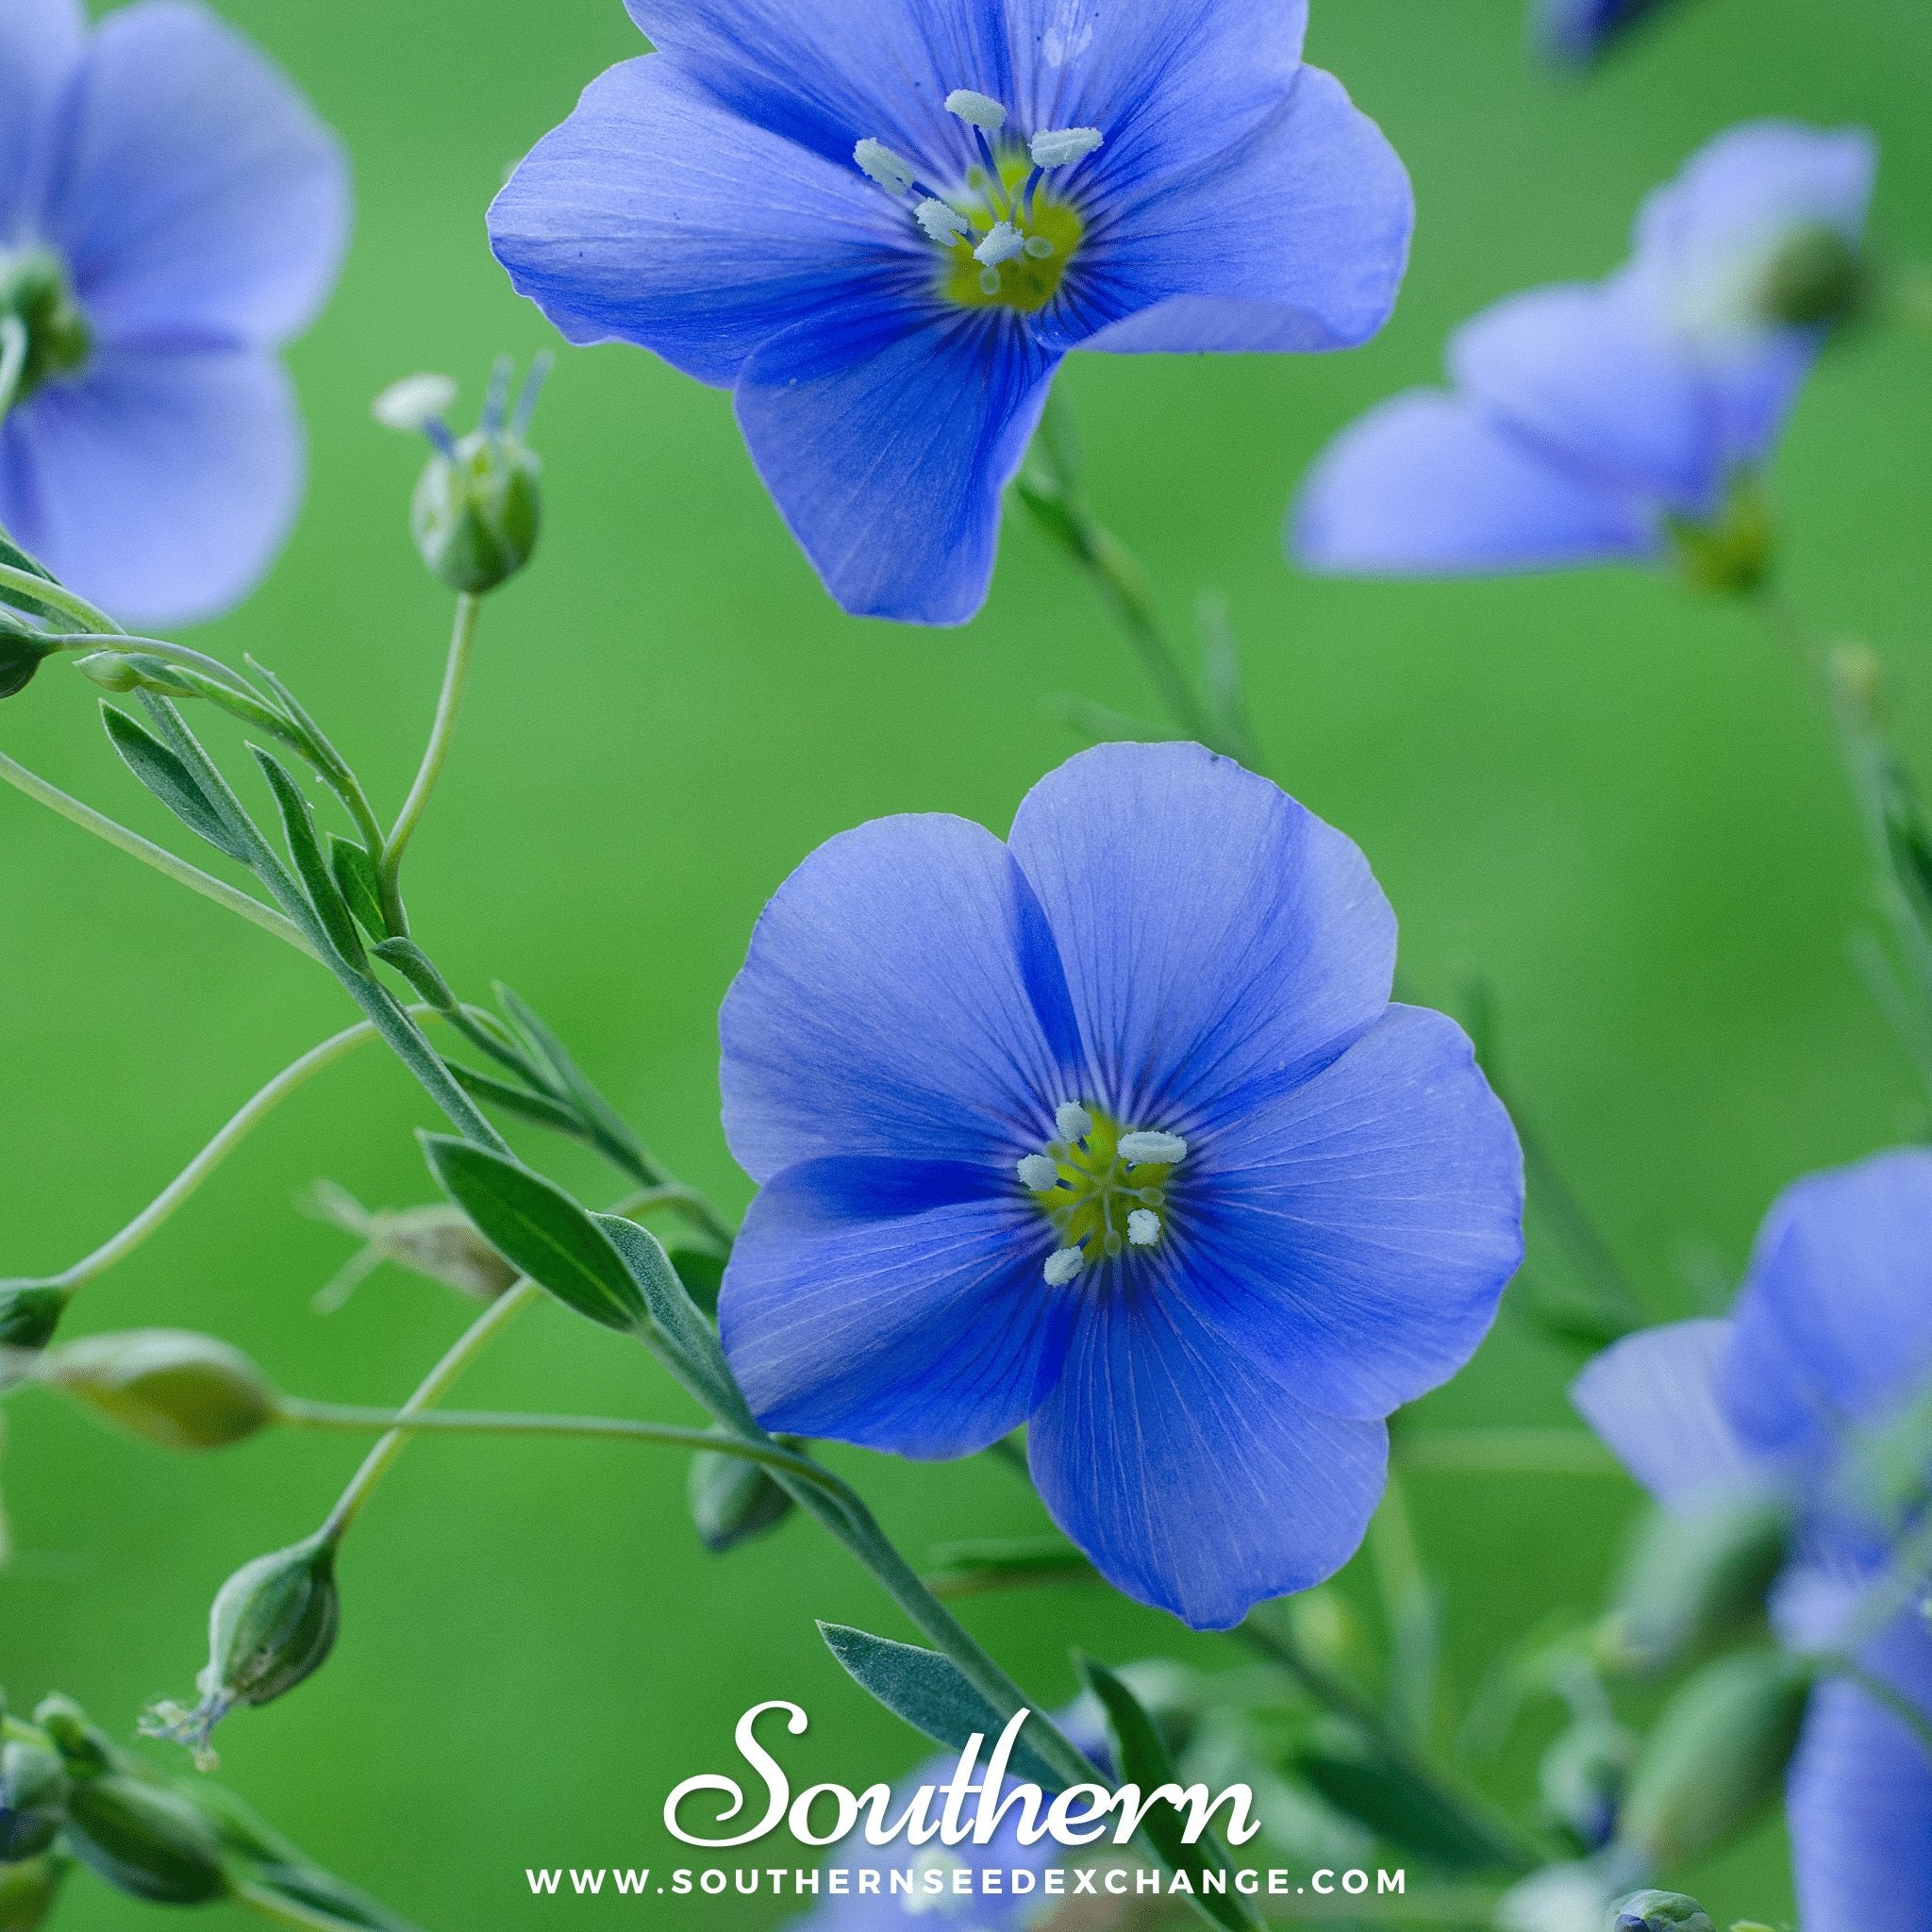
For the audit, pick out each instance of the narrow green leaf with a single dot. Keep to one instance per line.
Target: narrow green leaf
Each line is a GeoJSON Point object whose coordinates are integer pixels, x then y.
{"type": "Point", "coordinates": [679, 1323]}
{"type": "Point", "coordinates": [1407, 1810]}
{"type": "Point", "coordinates": [305, 848]}
{"type": "Point", "coordinates": [17, 558]}
{"type": "Point", "coordinates": [355, 876]}
{"type": "Point", "coordinates": [519, 1101]}
{"type": "Point", "coordinates": [702, 1271]}
{"type": "Point", "coordinates": [545, 1047]}
{"type": "Point", "coordinates": [1144, 1761]}
{"type": "Point", "coordinates": [929, 1692]}
{"type": "Point", "coordinates": [419, 969]}
{"type": "Point", "coordinates": [171, 781]}
{"type": "Point", "coordinates": [538, 1229]}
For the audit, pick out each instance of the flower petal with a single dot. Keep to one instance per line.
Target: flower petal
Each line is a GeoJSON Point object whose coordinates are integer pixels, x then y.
{"type": "Point", "coordinates": [1426, 484]}
{"type": "Point", "coordinates": [202, 200]}
{"type": "Point", "coordinates": [1580, 373]}
{"type": "Point", "coordinates": [1835, 1322]}
{"type": "Point", "coordinates": [894, 1304]}
{"type": "Point", "coordinates": [1191, 1471]}
{"type": "Point", "coordinates": [1653, 1397]}
{"type": "Point", "coordinates": [1294, 240]}
{"type": "Point", "coordinates": [902, 997]}
{"type": "Point", "coordinates": [40, 44]}
{"type": "Point", "coordinates": [886, 442]}
{"type": "Point", "coordinates": [1861, 1799]}
{"type": "Point", "coordinates": [1220, 942]}
{"type": "Point", "coordinates": [1357, 1233]}
{"type": "Point", "coordinates": [655, 216]}
{"type": "Point", "coordinates": [161, 483]}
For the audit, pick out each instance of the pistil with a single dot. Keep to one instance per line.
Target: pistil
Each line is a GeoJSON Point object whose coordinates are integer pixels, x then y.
{"type": "Point", "coordinates": [1104, 1189]}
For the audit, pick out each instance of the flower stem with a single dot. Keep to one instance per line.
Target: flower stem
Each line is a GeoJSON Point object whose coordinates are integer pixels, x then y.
{"type": "Point", "coordinates": [158, 857]}
{"type": "Point", "coordinates": [152, 647]}
{"type": "Point", "coordinates": [13, 347]}
{"type": "Point", "coordinates": [455, 678]}
{"type": "Point", "coordinates": [90, 617]}
{"type": "Point", "coordinates": [284, 1910]}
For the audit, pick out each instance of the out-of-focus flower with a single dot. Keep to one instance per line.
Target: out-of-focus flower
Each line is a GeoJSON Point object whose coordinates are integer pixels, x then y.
{"type": "Point", "coordinates": [1624, 421]}
{"type": "Point", "coordinates": [1577, 32]}
{"type": "Point", "coordinates": [884, 223]}
{"type": "Point", "coordinates": [1815, 1387]}
{"type": "Point", "coordinates": [171, 213]}
{"type": "Point", "coordinates": [1112, 1130]}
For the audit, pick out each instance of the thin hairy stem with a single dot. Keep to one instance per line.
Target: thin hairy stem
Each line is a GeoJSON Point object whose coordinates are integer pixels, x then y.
{"type": "Point", "coordinates": [448, 705]}
{"type": "Point", "coordinates": [158, 857]}
{"type": "Point", "coordinates": [88, 616]}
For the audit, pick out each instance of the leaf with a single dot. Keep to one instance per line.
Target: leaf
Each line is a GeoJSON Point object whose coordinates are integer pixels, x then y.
{"type": "Point", "coordinates": [702, 1271]}
{"type": "Point", "coordinates": [538, 1107]}
{"type": "Point", "coordinates": [929, 1692]}
{"type": "Point", "coordinates": [17, 558]}
{"type": "Point", "coordinates": [1143, 1761]}
{"type": "Point", "coordinates": [298, 824]}
{"type": "Point", "coordinates": [171, 781]}
{"type": "Point", "coordinates": [356, 880]}
{"type": "Point", "coordinates": [1407, 1810]}
{"type": "Point", "coordinates": [682, 1327]}
{"type": "Point", "coordinates": [539, 1228]}
{"type": "Point", "coordinates": [419, 969]}
{"type": "Point", "coordinates": [543, 1045]}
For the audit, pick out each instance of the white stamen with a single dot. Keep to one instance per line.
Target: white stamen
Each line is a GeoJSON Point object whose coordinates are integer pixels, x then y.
{"type": "Point", "coordinates": [1064, 145]}
{"type": "Point", "coordinates": [1003, 245]}
{"type": "Point", "coordinates": [1037, 1172]}
{"type": "Point", "coordinates": [1038, 247]}
{"type": "Point", "coordinates": [414, 401]}
{"type": "Point", "coordinates": [892, 172]}
{"type": "Point", "coordinates": [1143, 1227]}
{"type": "Point", "coordinates": [1063, 1265]}
{"type": "Point", "coordinates": [976, 111]}
{"type": "Point", "coordinates": [1072, 1119]}
{"type": "Point", "coordinates": [1144, 1148]}
{"type": "Point", "coordinates": [942, 224]}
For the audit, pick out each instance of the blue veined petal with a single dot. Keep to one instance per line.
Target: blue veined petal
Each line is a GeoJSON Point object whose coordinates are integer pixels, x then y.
{"type": "Point", "coordinates": [202, 200]}
{"type": "Point", "coordinates": [1220, 942]}
{"type": "Point", "coordinates": [40, 42]}
{"type": "Point", "coordinates": [1580, 372]}
{"type": "Point", "coordinates": [886, 439]}
{"type": "Point", "coordinates": [1296, 239]}
{"type": "Point", "coordinates": [1653, 1397]}
{"type": "Point", "coordinates": [655, 216]}
{"type": "Point", "coordinates": [1833, 1325]}
{"type": "Point", "coordinates": [1191, 1471]}
{"type": "Point", "coordinates": [1426, 484]}
{"type": "Point", "coordinates": [895, 1304]}
{"type": "Point", "coordinates": [902, 997]}
{"type": "Point", "coordinates": [161, 483]}
{"type": "Point", "coordinates": [1357, 1233]}
{"type": "Point", "coordinates": [828, 73]}
{"type": "Point", "coordinates": [1860, 1798]}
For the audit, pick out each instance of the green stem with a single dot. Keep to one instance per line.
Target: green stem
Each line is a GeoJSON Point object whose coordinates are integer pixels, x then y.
{"type": "Point", "coordinates": [87, 615]}
{"type": "Point", "coordinates": [1411, 1615]}
{"type": "Point", "coordinates": [13, 348]}
{"type": "Point", "coordinates": [284, 1911]}
{"type": "Point", "coordinates": [158, 857]}
{"type": "Point", "coordinates": [448, 704]}
{"type": "Point", "coordinates": [153, 647]}
{"type": "Point", "coordinates": [1505, 1452]}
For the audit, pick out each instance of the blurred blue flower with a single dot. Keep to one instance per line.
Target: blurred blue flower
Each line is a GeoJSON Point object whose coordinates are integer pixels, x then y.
{"type": "Point", "coordinates": [1816, 1386]}
{"type": "Point", "coordinates": [1577, 31]}
{"type": "Point", "coordinates": [1618, 420]}
{"type": "Point", "coordinates": [884, 223]}
{"type": "Point", "coordinates": [171, 213]}
{"type": "Point", "coordinates": [1112, 1131]}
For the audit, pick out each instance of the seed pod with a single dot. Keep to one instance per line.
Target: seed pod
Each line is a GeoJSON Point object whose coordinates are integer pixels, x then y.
{"type": "Point", "coordinates": [733, 1501]}
{"type": "Point", "coordinates": [181, 1390]}
{"type": "Point", "coordinates": [1817, 279]}
{"type": "Point", "coordinates": [1695, 1579]}
{"type": "Point", "coordinates": [33, 1799]}
{"type": "Point", "coordinates": [477, 512]}
{"type": "Point", "coordinates": [145, 1840]}
{"type": "Point", "coordinates": [26, 1894]}
{"type": "Point", "coordinates": [1659, 1911]}
{"type": "Point", "coordinates": [1717, 1757]}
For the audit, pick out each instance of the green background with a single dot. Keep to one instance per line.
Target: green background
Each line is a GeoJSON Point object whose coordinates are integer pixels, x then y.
{"type": "Point", "coordinates": [1614, 801]}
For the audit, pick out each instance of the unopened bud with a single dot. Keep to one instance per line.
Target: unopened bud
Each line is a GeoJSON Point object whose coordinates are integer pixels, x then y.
{"type": "Point", "coordinates": [145, 1840]}
{"type": "Point", "coordinates": [733, 1501]}
{"type": "Point", "coordinates": [1582, 1777]}
{"type": "Point", "coordinates": [1659, 1911]}
{"type": "Point", "coordinates": [27, 1893]}
{"type": "Point", "coordinates": [273, 1624]}
{"type": "Point", "coordinates": [1816, 279]}
{"type": "Point", "coordinates": [33, 1799]}
{"type": "Point", "coordinates": [1696, 1577]}
{"type": "Point", "coordinates": [30, 1314]}
{"type": "Point", "coordinates": [23, 651]}
{"type": "Point", "coordinates": [84, 1747]}
{"type": "Point", "coordinates": [1717, 1757]}
{"type": "Point", "coordinates": [181, 1390]}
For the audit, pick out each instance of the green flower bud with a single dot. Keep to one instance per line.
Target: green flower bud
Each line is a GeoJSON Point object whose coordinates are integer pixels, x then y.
{"type": "Point", "coordinates": [733, 1501]}
{"type": "Point", "coordinates": [181, 1390]}
{"type": "Point", "coordinates": [27, 1893]}
{"type": "Point", "coordinates": [1697, 1578]}
{"type": "Point", "coordinates": [273, 1624]}
{"type": "Point", "coordinates": [33, 1799]}
{"type": "Point", "coordinates": [84, 1747]}
{"type": "Point", "coordinates": [1659, 1911]}
{"type": "Point", "coordinates": [30, 1314]}
{"type": "Point", "coordinates": [1816, 279]}
{"type": "Point", "coordinates": [1717, 1757]}
{"type": "Point", "coordinates": [145, 1840]}
{"type": "Point", "coordinates": [23, 651]}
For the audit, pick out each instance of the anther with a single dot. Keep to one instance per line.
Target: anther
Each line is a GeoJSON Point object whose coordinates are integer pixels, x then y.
{"type": "Point", "coordinates": [1146, 1148]}
{"type": "Point", "coordinates": [891, 172]}
{"type": "Point", "coordinates": [976, 111]}
{"type": "Point", "coordinates": [1038, 247]}
{"type": "Point", "coordinates": [1063, 1265]}
{"type": "Point", "coordinates": [942, 224]}
{"type": "Point", "coordinates": [1040, 1174]}
{"type": "Point", "coordinates": [1143, 1227]}
{"type": "Point", "coordinates": [1063, 146]}
{"type": "Point", "coordinates": [1072, 1119]}
{"type": "Point", "coordinates": [1002, 245]}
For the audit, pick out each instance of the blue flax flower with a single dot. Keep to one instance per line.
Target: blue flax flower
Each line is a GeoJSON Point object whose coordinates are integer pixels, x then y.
{"type": "Point", "coordinates": [882, 224]}
{"type": "Point", "coordinates": [170, 211]}
{"type": "Point", "coordinates": [1826, 1356]}
{"type": "Point", "coordinates": [1112, 1131]}
{"type": "Point", "coordinates": [1619, 419]}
